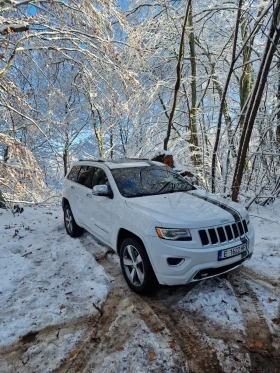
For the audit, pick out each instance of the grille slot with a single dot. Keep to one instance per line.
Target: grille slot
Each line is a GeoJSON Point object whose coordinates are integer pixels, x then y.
{"type": "Point", "coordinates": [229, 232]}
{"type": "Point", "coordinates": [203, 237]}
{"type": "Point", "coordinates": [213, 236]}
{"type": "Point", "coordinates": [241, 230]}
{"type": "Point", "coordinates": [235, 230]}
{"type": "Point", "coordinates": [223, 234]}
{"type": "Point", "coordinates": [245, 226]}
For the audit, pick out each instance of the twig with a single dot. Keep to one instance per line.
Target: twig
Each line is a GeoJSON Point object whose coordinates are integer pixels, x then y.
{"type": "Point", "coordinates": [260, 217]}
{"type": "Point", "coordinates": [27, 254]}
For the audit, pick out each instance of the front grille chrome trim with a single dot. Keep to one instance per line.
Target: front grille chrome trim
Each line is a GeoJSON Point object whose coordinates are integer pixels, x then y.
{"type": "Point", "coordinates": [233, 227]}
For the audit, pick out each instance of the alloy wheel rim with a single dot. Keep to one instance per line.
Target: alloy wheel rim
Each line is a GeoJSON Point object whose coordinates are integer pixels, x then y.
{"type": "Point", "coordinates": [68, 220]}
{"type": "Point", "coordinates": [133, 265]}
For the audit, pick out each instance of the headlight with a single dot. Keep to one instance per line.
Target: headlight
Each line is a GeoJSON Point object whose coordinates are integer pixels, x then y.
{"type": "Point", "coordinates": [175, 234]}
{"type": "Point", "coordinates": [247, 218]}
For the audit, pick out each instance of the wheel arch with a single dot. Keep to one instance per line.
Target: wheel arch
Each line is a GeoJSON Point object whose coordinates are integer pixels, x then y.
{"type": "Point", "coordinates": [65, 202]}
{"type": "Point", "coordinates": [123, 234]}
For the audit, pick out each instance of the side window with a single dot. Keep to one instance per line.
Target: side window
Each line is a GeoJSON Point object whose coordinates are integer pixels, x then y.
{"type": "Point", "coordinates": [99, 177]}
{"type": "Point", "coordinates": [85, 176]}
{"type": "Point", "coordinates": [73, 174]}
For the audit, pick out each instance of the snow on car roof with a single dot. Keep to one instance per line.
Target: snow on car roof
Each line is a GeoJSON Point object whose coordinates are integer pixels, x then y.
{"type": "Point", "coordinates": [123, 163]}
{"type": "Point", "coordinates": [132, 164]}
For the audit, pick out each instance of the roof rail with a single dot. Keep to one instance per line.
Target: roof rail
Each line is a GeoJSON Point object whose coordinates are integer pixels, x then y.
{"type": "Point", "coordinates": [137, 159]}
{"type": "Point", "coordinates": [91, 160]}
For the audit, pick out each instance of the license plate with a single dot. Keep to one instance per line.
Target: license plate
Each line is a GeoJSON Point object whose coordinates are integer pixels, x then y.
{"type": "Point", "coordinates": [233, 251]}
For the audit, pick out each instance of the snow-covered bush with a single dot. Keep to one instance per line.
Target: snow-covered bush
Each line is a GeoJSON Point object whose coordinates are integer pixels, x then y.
{"type": "Point", "coordinates": [20, 176]}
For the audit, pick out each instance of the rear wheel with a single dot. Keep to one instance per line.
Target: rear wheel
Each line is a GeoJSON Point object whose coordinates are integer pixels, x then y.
{"type": "Point", "coordinates": [136, 267]}
{"type": "Point", "coordinates": [71, 226]}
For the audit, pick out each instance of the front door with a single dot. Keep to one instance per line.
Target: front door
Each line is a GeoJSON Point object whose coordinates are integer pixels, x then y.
{"type": "Point", "coordinates": [101, 213]}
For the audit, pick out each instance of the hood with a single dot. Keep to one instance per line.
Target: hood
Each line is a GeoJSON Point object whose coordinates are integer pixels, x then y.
{"type": "Point", "coordinates": [187, 209]}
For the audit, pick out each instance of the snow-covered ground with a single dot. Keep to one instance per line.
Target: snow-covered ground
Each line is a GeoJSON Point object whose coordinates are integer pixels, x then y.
{"type": "Point", "coordinates": [266, 221]}
{"type": "Point", "coordinates": [46, 277]}
{"type": "Point", "coordinates": [52, 284]}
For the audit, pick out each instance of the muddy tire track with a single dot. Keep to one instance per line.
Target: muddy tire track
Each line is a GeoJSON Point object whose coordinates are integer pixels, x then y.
{"type": "Point", "coordinates": [93, 341]}
{"type": "Point", "coordinates": [184, 328]}
{"type": "Point", "coordinates": [261, 279]}
{"type": "Point", "coordinates": [17, 356]}
{"type": "Point", "coordinates": [199, 356]}
{"type": "Point", "coordinates": [32, 337]}
{"type": "Point", "coordinates": [197, 352]}
{"type": "Point", "coordinates": [263, 355]}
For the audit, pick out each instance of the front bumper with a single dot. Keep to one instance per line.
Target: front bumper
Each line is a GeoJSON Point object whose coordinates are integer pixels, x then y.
{"type": "Point", "coordinates": [198, 264]}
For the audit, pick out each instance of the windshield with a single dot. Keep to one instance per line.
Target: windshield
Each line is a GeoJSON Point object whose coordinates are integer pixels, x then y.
{"type": "Point", "coordinates": [149, 180]}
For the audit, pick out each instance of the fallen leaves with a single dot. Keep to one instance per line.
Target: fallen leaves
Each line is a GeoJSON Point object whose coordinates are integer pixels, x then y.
{"type": "Point", "coordinates": [119, 348]}
{"type": "Point", "coordinates": [172, 344]}
{"type": "Point", "coordinates": [157, 330]}
{"type": "Point", "coordinates": [276, 321]}
{"type": "Point", "coordinates": [270, 300]}
{"type": "Point", "coordinates": [153, 355]}
{"type": "Point", "coordinates": [73, 353]}
{"type": "Point", "coordinates": [257, 344]}
{"type": "Point", "coordinates": [146, 315]}
{"type": "Point", "coordinates": [235, 309]}
{"type": "Point", "coordinates": [61, 307]}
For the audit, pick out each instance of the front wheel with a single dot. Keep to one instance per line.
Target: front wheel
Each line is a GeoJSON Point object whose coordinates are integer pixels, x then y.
{"type": "Point", "coordinates": [71, 226]}
{"type": "Point", "coordinates": [136, 267]}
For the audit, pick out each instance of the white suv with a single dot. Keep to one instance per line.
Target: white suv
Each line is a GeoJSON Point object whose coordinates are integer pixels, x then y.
{"type": "Point", "coordinates": [164, 229]}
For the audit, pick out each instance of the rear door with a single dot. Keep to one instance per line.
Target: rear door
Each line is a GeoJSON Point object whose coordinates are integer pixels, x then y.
{"type": "Point", "coordinates": [83, 195]}
{"type": "Point", "coordinates": [70, 191]}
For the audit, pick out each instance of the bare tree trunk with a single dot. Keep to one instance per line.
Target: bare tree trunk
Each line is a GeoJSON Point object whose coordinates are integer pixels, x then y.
{"type": "Point", "coordinates": [97, 129]}
{"type": "Point", "coordinates": [65, 161]}
{"type": "Point", "coordinates": [193, 118]}
{"type": "Point", "coordinates": [245, 79]}
{"type": "Point", "coordinates": [111, 143]}
{"type": "Point", "coordinates": [219, 124]}
{"type": "Point", "coordinates": [2, 201]}
{"type": "Point", "coordinates": [255, 99]}
{"type": "Point", "coordinates": [178, 80]}
{"type": "Point", "coordinates": [278, 113]}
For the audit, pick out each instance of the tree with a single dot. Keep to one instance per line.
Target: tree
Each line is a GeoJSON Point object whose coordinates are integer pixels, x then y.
{"type": "Point", "coordinates": [255, 99]}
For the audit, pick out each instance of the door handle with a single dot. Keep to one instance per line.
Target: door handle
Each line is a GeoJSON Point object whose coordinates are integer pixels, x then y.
{"type": "Point", "coordinates": [89, 195]}
{"type": "Point", "coordinates": [72, 187]}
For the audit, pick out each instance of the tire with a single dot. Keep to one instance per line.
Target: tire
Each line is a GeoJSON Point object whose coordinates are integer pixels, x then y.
{"type": "Point", "coordinates": [71, 226]}
{"type": "Point", "coordinates": [136, 267]}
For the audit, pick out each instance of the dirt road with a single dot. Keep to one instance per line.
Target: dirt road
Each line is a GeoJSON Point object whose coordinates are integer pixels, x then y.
{"type": "Point", "coordinates": [227, 324]}
{"type": "Point", "coordinates": [197, 343]}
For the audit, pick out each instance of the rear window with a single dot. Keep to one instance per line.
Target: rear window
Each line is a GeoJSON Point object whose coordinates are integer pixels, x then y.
{"type": "Point", "coordinates": [85, 176]}
{"type": "Point", "coordinates": [73, 174]}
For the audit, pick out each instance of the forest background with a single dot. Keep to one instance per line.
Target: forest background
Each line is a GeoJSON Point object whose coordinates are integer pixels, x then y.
{"type": "Point", "coordinates": [111, 79]}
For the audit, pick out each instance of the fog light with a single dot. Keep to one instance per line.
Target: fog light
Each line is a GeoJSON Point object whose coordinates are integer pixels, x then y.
{"type": "Point", "coordinates": [175, 261]}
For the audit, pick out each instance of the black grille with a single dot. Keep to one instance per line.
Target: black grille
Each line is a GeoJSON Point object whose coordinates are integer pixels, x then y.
{"type": "Point", "coordinates": [213, 236]}
{"type": "Point", "coordinates": [245, 226]}
{"type": "Point", "coordinates": [229, 232]}
{"type": "Point", "coordinates": [204, 237]}
{"type": "Point", "coordinates": [235, 230]}
{"type": "Point", "coordinates": [223, 234]}
{"type": "Point", "coordinates": [241, 230]}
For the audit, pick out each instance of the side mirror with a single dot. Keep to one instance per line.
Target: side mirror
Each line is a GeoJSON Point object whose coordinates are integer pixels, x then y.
{"type": "Point", "coordinates": [101, 190]}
